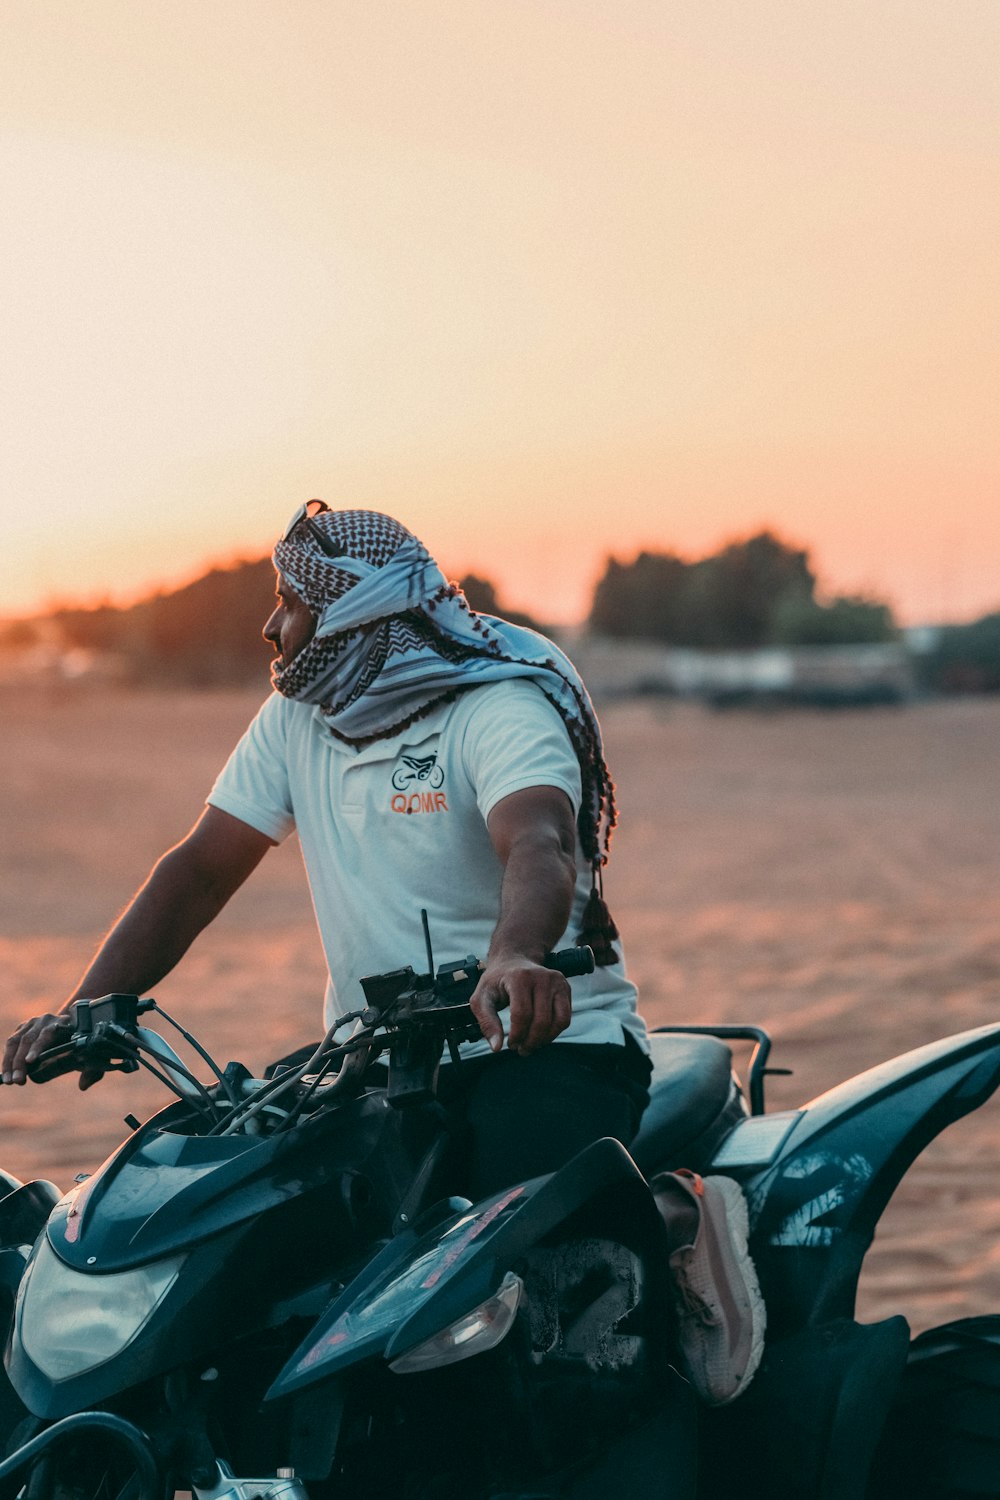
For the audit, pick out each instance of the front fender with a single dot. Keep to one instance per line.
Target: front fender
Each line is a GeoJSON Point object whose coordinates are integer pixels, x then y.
{"type": "Point", "coordinates": [24, 1212]}
{"type": "Point", "coordinates": [815, 1206]}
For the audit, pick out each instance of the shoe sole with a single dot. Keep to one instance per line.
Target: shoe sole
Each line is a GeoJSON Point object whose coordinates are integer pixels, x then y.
{"type": "Point", "coordinates": [724, 1204]}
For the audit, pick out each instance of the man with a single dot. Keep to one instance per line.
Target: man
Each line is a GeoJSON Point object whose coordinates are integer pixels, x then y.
{"type": "Point", "coordinates": [424, 755]}
{"type": "Point", "coordinates": [428, 758]}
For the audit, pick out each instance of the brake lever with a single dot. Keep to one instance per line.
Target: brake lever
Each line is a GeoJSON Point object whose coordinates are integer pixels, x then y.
{"type": "Point", "coordinates": [82, 1051]}
{"type": "Point", "coordinates": [53, 1062]}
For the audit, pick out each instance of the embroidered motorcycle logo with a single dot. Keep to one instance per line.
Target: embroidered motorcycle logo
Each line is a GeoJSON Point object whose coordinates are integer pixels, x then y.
{"type": "Point", "coordinates": [416, 768]}
{"type": "Point", "coordinates": [418, 780]}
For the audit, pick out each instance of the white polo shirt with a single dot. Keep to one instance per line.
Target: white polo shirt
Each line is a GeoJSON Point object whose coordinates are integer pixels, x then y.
{"type": "Point", "coordinates": [401, 824]}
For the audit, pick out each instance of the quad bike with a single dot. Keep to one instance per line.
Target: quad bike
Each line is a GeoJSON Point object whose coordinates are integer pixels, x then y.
{"type": "Point", "coordinates": [271, 1289]}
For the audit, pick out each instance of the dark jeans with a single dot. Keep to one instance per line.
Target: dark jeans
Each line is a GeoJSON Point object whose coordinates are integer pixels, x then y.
{"type": "Point", "coordinates": [518, 1117]}
{"type": "Point", "coordinates": [527, 1115]}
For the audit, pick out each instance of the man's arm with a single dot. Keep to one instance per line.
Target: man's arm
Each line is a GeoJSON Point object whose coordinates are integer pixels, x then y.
{"type": "Point", "coordinates": [534, 834]}
{"type": "Point", "coordinates": [186, 889]}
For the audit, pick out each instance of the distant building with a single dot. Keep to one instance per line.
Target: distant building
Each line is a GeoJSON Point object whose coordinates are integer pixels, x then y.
{"type": "Point", "coordinates": [825, 676]}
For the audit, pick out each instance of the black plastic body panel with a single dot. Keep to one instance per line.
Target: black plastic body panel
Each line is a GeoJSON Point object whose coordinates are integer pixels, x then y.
{"type": "Point", "coordinates": [815, 1206]}
{"type": "Point", "coordinates": [257, 1221]}
{"type": "Point", "coordinates": [421, 1283]}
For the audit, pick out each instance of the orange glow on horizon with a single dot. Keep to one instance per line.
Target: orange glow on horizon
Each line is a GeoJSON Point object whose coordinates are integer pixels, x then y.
{"type": "Point", "coordinates": [586, 282]}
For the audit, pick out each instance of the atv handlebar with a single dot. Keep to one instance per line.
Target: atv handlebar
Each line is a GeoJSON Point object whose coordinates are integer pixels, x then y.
{"type": "Point", "coordinates": [405, 1010]}
{"type": "Point", "coordinates": [573, 963]}
{"type": "Point", "coordinates": [99, 1029]}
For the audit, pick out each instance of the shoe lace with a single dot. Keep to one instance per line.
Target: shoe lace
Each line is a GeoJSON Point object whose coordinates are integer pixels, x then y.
{"type": "Point", "coordinates": [694, 1303]}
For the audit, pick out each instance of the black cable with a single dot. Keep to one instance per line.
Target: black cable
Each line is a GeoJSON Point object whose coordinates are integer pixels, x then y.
{"type": "Point", "coordinates": [176, 1066]}
{"type": "Point", "coordinates": [255, 1101]}
{"type": "Point", "coordinates": [352, 1015]}
{"type": "Point", "coordinates": [248, 1107]}
{"type": "Point", "coordinates": [165, 1080]}
{"type": "Point", "coordinates": [196, 1045]}
{"type": "Point", "coordinates": [262, 1097]}
{"type": "Point", "coordinates": [297, 1110]}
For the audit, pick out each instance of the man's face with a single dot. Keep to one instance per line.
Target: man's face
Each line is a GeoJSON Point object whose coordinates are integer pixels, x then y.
{"type": "Point", "coordinates": [291, 626]}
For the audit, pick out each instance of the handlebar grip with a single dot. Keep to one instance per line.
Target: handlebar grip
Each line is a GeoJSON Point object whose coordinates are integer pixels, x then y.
{"type": "Point", "coordinates": [572, 962]}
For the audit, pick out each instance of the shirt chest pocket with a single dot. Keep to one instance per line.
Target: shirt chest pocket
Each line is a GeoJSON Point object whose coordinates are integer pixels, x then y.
{"type": "Point", "coordinates": [397, 779]}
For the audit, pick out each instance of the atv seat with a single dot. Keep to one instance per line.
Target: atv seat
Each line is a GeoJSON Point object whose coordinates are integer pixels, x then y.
{"type": "Point", "coordinates": [694, 1101]}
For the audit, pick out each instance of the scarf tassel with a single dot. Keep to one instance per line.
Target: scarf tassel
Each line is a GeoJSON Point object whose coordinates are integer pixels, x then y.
{"type": "Point", "coordinates": [599, 930]}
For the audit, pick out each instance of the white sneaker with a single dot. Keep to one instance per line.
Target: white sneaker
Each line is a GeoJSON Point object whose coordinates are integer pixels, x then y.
{"type": "Point", "coordinates": [720, 1310]}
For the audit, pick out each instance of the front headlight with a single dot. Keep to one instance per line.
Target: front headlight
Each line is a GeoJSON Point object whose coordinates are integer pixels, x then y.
{"type": "Point", "coordinates": [69, 1322]}
{"type": "Point", "coordinates": [483, 1328]}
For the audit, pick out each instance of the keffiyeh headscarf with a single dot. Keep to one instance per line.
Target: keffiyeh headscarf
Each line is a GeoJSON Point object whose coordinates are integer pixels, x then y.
{"type": "Point", "coordinates": [394, 640]}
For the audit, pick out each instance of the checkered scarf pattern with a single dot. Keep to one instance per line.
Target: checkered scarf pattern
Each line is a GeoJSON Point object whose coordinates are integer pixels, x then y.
{"type": "Point", "coordinates": [394, 639]}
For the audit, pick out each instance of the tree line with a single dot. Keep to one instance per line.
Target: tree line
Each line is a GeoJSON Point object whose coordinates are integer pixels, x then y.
{"type": "Point", "coordinates": [757, 592]}
{"type": "Point", "coordinates": [761, 591]}
{"type": "Point", "coordinates": [964, 658]}
{"type": "Point", "coordinates": [206, 634]}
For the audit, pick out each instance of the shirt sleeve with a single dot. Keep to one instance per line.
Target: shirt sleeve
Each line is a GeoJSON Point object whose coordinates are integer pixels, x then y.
{"type": "Point", "coordinates": [253, 785]}
{"type": "Point", "coordinates": [515, 738]}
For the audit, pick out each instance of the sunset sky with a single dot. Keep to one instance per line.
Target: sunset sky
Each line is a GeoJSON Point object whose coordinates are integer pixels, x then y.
{"type": "Point", "coordinates": [547, 279]}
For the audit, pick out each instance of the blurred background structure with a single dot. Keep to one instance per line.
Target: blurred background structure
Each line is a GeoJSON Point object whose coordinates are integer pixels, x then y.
{"type": "Point", "coordinates": [742, 626]}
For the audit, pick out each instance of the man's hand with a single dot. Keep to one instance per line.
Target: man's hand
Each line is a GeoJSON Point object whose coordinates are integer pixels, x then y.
{"type": "Point", "coordinates": [538, 998]}
{"type": "Point", "coordinates": [30, 1040]}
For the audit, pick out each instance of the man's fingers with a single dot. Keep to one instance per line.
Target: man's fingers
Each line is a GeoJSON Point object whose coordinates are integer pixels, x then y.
{"type": "Point", "coordinates": [533, 1024]}
{"type": "Point", "coordinates": [540, 1013]}
{"type": "Point", "coordinates": [10, 1052]}
{"type": "Point", "coordinates": [36, 1045]}
{"type": "Point", "coordinates": [16, 1052]}
{"type": "Point", "coordinates": [562, 1012]}
{"type": "Point", "coordinates": [540, 1007]}
{"type": "Point", "coordinates": [28, 1042]}
{"type": "Point", "coordinates": [484, 1007]}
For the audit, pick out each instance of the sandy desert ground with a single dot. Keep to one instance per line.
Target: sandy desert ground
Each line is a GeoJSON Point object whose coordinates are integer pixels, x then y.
{"type": "Point", "coordinates": [831, 876]}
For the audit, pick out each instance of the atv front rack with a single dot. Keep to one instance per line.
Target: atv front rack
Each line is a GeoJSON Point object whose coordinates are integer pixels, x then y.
{"type": "Point", "coordinates": [102, 1423]}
